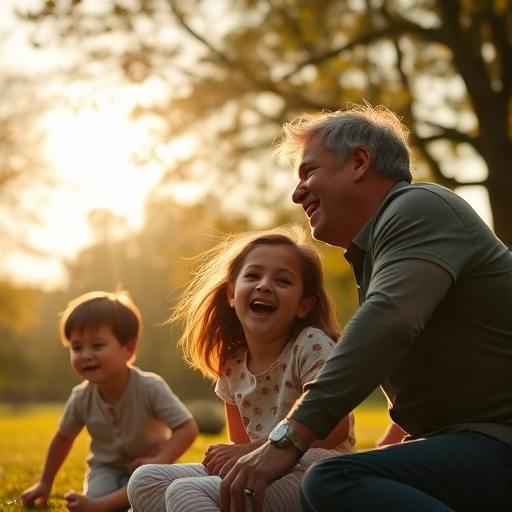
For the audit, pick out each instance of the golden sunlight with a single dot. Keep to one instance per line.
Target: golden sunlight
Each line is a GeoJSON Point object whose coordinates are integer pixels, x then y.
{"type": "Point", "coordinates": [90, 152]}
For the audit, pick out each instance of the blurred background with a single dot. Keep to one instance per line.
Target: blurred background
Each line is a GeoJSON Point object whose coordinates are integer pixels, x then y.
{"type": "Point", "coordinates": [132, 132]}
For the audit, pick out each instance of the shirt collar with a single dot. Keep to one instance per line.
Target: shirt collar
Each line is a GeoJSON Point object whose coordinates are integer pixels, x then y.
{"type": "Point", "coordinates": [362, 239]}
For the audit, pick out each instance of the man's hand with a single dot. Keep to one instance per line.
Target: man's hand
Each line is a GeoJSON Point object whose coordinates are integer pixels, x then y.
{"type": "Point", "coordinates": [254, 472]}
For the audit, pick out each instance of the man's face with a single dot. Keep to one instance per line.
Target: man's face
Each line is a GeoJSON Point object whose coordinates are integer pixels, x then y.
{"type": "Point", "coordinates": [324, 191]}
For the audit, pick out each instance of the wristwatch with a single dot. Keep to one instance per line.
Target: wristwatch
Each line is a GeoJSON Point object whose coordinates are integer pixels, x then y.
{"type": "Point", "coordinates": [282, 437]}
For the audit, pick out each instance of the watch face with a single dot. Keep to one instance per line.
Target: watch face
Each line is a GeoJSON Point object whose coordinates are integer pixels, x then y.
{"type": "Point", "coordinates": [278, 435]}
{"type": "Point", "coordinates": [282, 437]}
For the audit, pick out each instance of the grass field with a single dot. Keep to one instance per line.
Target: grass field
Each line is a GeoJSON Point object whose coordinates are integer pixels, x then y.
{"type": "Point", "coordinates": [25, 433]}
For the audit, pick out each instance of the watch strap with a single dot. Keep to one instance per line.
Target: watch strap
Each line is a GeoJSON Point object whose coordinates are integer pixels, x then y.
{"type": "Point", "coordinates": [296, 442]}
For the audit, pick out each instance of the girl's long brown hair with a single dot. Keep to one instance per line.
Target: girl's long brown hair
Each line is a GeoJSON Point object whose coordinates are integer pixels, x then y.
{"type": "Point", "coordinates": [212, 333]}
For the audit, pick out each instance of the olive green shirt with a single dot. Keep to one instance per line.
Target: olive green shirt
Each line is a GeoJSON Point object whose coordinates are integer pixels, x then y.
{"type": "Point", "coordinates": [441, 348]}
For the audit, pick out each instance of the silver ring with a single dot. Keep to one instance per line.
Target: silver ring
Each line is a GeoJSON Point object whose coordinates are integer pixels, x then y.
{"type": "Point", "coordinates": [248, 492]}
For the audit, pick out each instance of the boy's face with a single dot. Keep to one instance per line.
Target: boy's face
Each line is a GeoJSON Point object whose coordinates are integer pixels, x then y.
{"type": "Point", "coordinates": [97, 356]}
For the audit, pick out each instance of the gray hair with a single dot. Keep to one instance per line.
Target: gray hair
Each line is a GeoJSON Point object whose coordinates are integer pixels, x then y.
{"type": "Point", "coordinates": [378, 129]}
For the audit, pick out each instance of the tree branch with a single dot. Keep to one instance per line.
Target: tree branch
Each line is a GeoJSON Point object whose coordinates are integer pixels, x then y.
{"type": "Point", "coordinates": [391, 32]}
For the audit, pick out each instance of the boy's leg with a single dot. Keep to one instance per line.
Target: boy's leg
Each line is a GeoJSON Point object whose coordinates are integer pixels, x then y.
{"type": "Point", "coordinates": [101, 480]}
{"type": "Point", "coordinates": [465, 471]}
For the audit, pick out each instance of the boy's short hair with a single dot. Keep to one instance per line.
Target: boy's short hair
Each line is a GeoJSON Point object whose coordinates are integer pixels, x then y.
{"type": "Point", "coordinates": [97, 309]}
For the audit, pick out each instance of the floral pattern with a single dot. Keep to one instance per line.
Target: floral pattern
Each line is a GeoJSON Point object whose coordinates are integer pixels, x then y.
{"type": "Point", "coordinates": [264, 399]}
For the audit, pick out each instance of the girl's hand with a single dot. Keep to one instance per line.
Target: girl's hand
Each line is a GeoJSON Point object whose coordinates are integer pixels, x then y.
{"type": "Point", "coordinates": [220, 458]}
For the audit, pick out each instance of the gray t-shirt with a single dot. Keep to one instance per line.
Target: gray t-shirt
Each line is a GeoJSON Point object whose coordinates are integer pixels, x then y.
{"type": "Point", "coordinates": [138, 425]}
{"type": "Point", "coordinates": [447, 366]}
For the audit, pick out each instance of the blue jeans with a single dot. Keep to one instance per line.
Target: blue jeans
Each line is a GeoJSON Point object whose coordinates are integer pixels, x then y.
{"type": "Point", "coordinates": [462, 472]}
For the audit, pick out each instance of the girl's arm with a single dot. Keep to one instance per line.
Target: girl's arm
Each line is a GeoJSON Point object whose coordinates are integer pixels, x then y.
{"type": "Point", "coordinates": [236, 430]}
{"type": "Point", "coordinates": [180, 441]}
{"type": "Point", "coordinates": [57, 453]}
{"type": "Point", "coordinates": [336, 437]}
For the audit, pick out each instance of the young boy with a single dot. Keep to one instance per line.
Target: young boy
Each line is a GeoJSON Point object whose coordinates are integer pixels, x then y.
{"type": "Point", "coordinates": [132, 416]}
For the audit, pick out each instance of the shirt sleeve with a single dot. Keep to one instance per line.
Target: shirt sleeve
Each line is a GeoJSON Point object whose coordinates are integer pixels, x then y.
{"type": "Point", "coordinates": [409, 228]}
{"type": "Point", "coordinates": [72, 422]}
{"type": "Point", "coordinates": [167, 406]}
{"type": "Point", "coordinates": [223, 390]}
{"type": "Point", "coordinates": [374, 342]}
{"type": "Point", "coordinates": [311, 350]}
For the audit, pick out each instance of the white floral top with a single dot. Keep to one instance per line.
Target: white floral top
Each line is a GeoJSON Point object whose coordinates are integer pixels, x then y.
{"type": "Point", "coordinates": [265, 399]}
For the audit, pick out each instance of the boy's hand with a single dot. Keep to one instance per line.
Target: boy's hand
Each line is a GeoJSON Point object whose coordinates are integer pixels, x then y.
{"type": "Point", "coordinates": [39, 491]}
{"type": "Point", "coordinates": [77, 502]}
{"type": "Point", "coordinates": [140, 461]}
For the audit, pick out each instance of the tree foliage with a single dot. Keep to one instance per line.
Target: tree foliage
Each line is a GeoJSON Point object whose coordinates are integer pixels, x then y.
{"type": "Point", "coordinates": [154, 265]}
{"type": "Point", "coordinates": [226, 75]}
{"type": "Point", "coordinates": [23, 168]}
{"type": "Point", "coordinates": [236, 70]}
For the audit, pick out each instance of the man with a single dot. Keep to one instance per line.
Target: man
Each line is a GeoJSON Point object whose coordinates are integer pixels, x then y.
{"type": "Point", "coordinates": [434, 329]}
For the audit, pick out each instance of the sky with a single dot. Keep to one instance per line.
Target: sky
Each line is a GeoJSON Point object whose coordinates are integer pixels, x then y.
{"type": "Point", "coordinates": [90, 153]}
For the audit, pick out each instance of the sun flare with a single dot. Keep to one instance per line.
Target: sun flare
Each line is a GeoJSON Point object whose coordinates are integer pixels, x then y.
{"type": "Point", "coordinates": [92, 152]}
{"type": "Point", "coordinates": [91, 155]}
